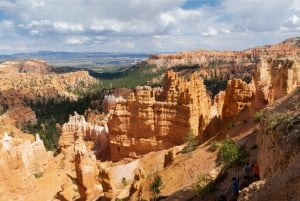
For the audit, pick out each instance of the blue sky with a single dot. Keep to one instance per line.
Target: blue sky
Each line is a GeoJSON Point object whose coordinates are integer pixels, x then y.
{"type": "Point", "coordinates": [144, 26]}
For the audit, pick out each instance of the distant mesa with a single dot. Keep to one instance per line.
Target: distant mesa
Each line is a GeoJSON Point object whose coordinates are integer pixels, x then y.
{"type": "Point", "coordinates": [26, 66]}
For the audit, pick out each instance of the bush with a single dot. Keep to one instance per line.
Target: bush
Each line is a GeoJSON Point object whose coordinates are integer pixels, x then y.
{"type": "Point", "coordinates": [156, 185]}
{"type": "Point", "coordinates": [124, 181]}
{"type": "Point", "coordinates": [230, 125]}
{"type": "Point", "coordinates": [230, 155]}
{"type": "Point", "coordinates": [204, 185]}
{"type": "Point", "coordinates": [38, 174]}
{"type": "Point", "coordinates": [257, 116]}
{"type": "Point", "coordinates": [213, 146]}
{"type": "Point", "coordinates": [192, 143]}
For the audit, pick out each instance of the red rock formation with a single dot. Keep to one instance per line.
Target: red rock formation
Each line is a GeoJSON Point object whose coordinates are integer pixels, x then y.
{"type": "Point", "coordinates": [150, 119]}
{"type": "Point", "coordinates": [238, 96]}
{"type": "Point", "coordinates": [287, 48]}
{"type": "Point", "coordinates": [20, 116]}
{"type": "Point", "coordinates": [279, 152]}
{"type": "Point", "coordinates": [34, 81]}
{"type": "Point", "coordinates": [26, 66]}
{"type": "Point", "coordinates": [92, 132]}
{"type": "Point", "coordinates": [21, 162]}
{"type": "Point", "coordinates": [86, 171]}
{"type": "Point", "coordinates": [275, 78]}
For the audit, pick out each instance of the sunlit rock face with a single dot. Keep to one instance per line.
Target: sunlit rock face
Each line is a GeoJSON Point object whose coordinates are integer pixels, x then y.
{"type": "Point", "coordinates": [279, 135]}
{"type": "Point", "coordinates": [276, 77]}
{"type": "Point", "coordinates": [22, 160]}
{"type": "Point", "coordinates": [279, 152]}
{"type": "Point", "coordinates": [204, 58]}
{"type": "Point", "coordinates": [238, 96]}
{"type": "Point", "coordinates": [31, 81]}
{"type": "Point", "coordinates": [78, 127]}
{"type": "Point", "coordinates": [150, 119]}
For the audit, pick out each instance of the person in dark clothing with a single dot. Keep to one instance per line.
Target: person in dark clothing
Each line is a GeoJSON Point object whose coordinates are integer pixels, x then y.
{"type": "Point", "coordinates": [235, 185]}
{"type": "Point", "coordinates": [247, 171]}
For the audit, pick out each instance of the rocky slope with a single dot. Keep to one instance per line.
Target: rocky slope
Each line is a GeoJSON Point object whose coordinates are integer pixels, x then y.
{"type": "Point", "coordinates": [224, 65]}
{"type": "Point", "coordinates": [279, 152]}
{"type": "Point", "coordinates": [286, 49]}
{"type": "Point", "coordinates": [28, 81]}
{"type": "Point", "coordinates": [151, 120]}
{"type": "Point", "coordinates": [22, 161]}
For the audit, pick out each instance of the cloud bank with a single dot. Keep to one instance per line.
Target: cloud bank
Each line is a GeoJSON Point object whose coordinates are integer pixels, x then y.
{"type": "Point", "coordinates": [144, 26]}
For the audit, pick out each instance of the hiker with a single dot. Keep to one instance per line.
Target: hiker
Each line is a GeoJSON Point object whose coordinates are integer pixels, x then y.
{"type": "Point", "coordinates": [256, 171]}
{"type": "Point", "coordinates": [247, 171]}
{"type": "Point", "coordinates": [235, 185]}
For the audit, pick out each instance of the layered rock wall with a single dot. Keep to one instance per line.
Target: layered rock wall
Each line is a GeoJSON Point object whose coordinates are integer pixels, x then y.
{"type": "Point", "coordinates": [238, 96]}
{"type": "Point", "coordinates": [278, 142]}
{"type": "Point", "coordinates": [23, 82]}
{"type": "Point", "coordinates": [275, 78]}
{"type": "Point", "coordinates": [204, 58]}
{"type": "Point", "coordinates": [77, 127]}
{"type": "Point", "coordinates": [151, 119]}
{"type": "Point", "coordinates": [279, 137]}
{"type": "Point", "coordinates": [21, 162]}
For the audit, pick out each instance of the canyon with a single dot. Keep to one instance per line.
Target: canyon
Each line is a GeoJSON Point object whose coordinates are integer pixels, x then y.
{"type": "Point", "coordinates": [142, 131]}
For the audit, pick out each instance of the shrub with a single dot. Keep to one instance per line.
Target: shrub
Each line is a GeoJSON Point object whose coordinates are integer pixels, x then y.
{"type": "Point", "coordinates": [156, 185]}
{"type": "Point", "coordinates": [230, 125]}
{"type": "Point", "coordinates": [213, 146]}
{"type": "Point", "coordinates": [124, 181]}
{"type": "Point", "coordinates": [230, 155]}
{"type": "Point", "coordinates": [191, 141]}
{"type": "Point", "coordinates": [204, 185]}
{"type": "Point", "coordinates": [38, 174]}
{"type": "Point", "coordinates": [257, 116]}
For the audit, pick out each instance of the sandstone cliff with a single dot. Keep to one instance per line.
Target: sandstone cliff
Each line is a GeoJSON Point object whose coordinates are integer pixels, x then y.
{"type": "Point", "coordinates": [23, 82]}
{"type": "Point", "coordinates": [279, 152]}
{"type": "Point", "coordinates": [154, 119]}
{"type": "Point", "coordinates": [204, 58]}
{"type": "Point", "coordinates": [22, 161]}
{"type": "Point", "coordinates": [276, 77]}
{"type": "Point", "coordinates": [77, 127]}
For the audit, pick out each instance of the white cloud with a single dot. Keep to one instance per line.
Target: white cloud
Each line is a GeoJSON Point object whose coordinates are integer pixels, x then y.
{"type": "Point", "coordinates": [7, 24]}
{"type": "Point", "coordinates": [294, 19]}
{"type": "Point", "coordinates": [63, 26]}
{"type": "Point", "coordinates": [4, 4]}
{"type": "Point", "coordinates": [76, 40]}
{"type": "Point", "coordinates": [166, 19]}
{"type": "Point", "coordinates": [35, 32]}
{"type": "Point", "coordinates": [136, 25]}
{"type": "Point", "coordinates": [211, 32]}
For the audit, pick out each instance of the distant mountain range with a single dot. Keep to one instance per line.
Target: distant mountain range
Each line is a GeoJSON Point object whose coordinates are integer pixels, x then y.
{"type": "Point", "coordinates": [80, 58]}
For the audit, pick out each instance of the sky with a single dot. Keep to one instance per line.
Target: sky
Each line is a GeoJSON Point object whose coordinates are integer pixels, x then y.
{"type": "Point", "coordinates": [144, 25]}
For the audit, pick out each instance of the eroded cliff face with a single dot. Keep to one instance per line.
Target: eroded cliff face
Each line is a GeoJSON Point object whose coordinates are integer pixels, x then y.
{"type": "Point", "coordinates": [279, 136]}
{"type": "Point", "coordinates": [276, 77]}
{"type": "Point", "coordinates": [238, 96]}
{"type": "Point", "coordinates": [204, 58]}
{"type": "Point", "coordinates": [92, 133]}
{"type": "Point", "coordinates": [22, 160]}
{"type": "Point", "coordinates": [279, 152]}
{"type": "Point", "coordinates": [23, 82]}
{"type": "Point", "coordinates": [154, 119]}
